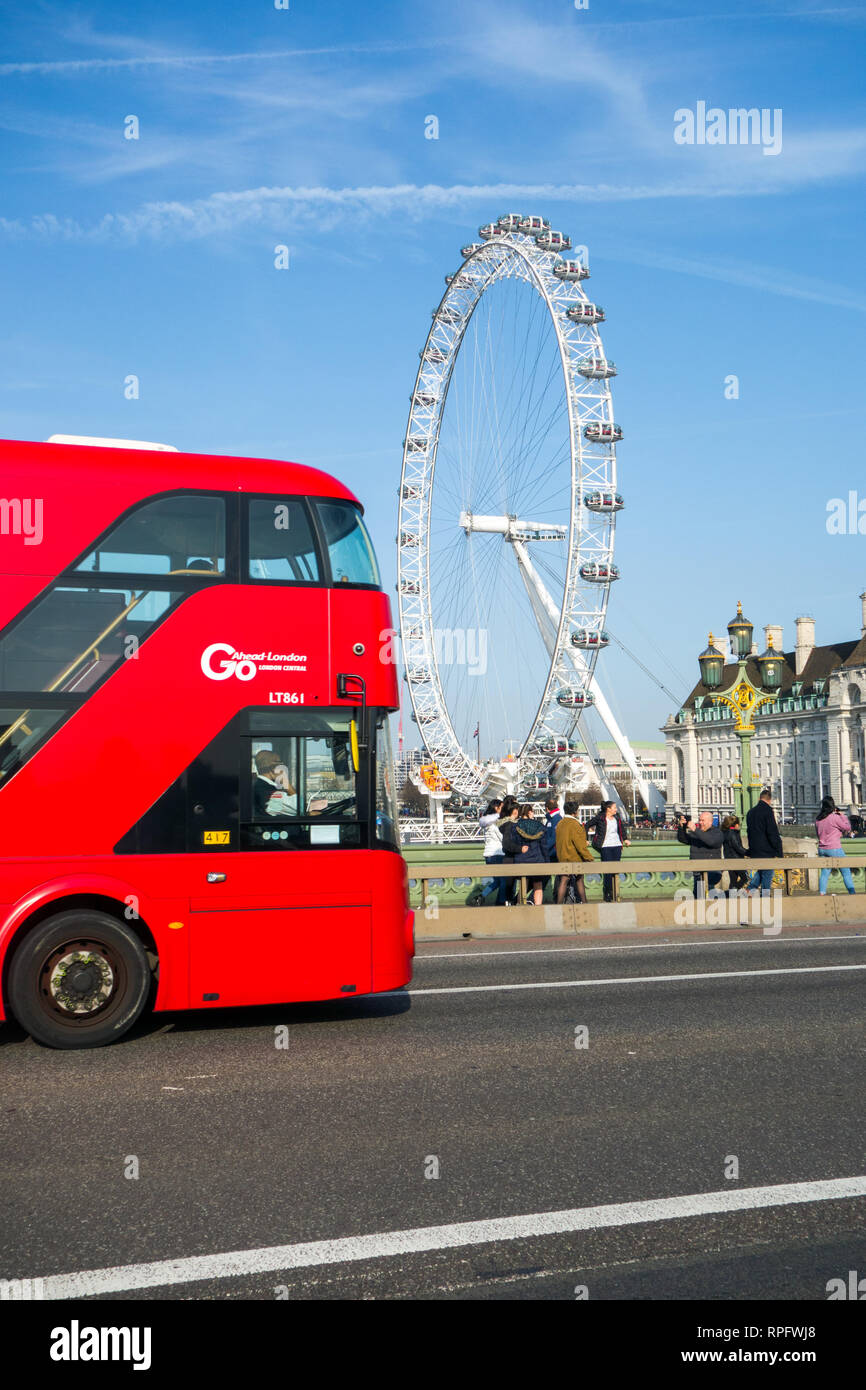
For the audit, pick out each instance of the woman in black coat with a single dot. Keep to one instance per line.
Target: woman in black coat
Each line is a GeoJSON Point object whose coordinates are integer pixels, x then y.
{"type": "Point", "coordinates": [521, 843]}
{"type": "Point", "coordinates": [733, 848]}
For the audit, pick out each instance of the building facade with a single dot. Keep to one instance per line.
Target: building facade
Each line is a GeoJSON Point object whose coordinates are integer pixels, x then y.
{"type": "Point", "coordinates": [808, 741]}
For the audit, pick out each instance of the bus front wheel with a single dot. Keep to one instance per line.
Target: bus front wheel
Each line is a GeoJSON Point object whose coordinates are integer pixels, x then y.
{"type": "Point", "coordinates": [78, 979]}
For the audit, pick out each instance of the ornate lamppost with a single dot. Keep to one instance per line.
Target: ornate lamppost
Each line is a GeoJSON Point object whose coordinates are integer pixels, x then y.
{"type": "Point", "coordinates": [742, 697]}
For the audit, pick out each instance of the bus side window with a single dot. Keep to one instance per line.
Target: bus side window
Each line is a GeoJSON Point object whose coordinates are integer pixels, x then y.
{"type": "Point", "coordinates": [281, 541]}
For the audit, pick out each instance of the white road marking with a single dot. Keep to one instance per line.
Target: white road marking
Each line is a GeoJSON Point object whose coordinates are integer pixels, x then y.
{"type": "Point", "coordinates": [628, 980]}
{"type": "Point", "coordinates": [234, 1264]}
{"type": "Point", "coordinates": [637, 946]}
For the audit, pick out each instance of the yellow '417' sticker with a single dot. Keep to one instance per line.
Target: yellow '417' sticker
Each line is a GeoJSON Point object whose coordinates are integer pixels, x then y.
{"type": "Point", "coordinates": [216, 837]}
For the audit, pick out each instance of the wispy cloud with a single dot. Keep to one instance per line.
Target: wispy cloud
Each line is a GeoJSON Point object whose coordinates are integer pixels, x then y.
{"type": "Point", "coordinates": [73, 66]}
{"type": "Point", "coordinates": [220, 213]}
{"type": "Point", "coordinates": [768, 279]}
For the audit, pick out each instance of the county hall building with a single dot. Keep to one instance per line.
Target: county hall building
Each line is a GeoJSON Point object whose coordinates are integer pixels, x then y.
{"type": "Point", "coordinates": [808, 739]}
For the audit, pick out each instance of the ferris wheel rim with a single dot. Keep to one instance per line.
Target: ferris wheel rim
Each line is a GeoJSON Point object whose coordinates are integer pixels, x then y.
{"type": "Point", "coordinates": [536, 267]}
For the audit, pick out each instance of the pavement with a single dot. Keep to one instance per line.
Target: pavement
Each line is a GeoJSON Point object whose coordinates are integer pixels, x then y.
{"type": "Point", "coordinates": [416, 1145]}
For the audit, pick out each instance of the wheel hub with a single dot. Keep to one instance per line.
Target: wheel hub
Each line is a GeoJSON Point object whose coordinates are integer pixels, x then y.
{"type": "Point", "coordinates": [81, 982]}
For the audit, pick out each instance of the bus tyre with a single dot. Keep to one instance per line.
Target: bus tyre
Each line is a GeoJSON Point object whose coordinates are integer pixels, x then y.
{"type": "Point", "coordinates": [78, 979]}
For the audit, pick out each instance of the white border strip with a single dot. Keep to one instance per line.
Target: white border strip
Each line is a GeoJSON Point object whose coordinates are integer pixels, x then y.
{"type": "Point", "coordinates": [239, 1263]}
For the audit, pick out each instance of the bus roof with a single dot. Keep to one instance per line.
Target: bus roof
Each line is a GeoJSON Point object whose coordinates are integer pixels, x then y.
{"type": "Point", "coordinates": [134, 474]}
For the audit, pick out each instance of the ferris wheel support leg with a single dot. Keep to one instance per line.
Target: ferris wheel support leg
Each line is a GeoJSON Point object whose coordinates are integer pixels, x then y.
{"type": "Point", "coordinates": [608, 788]}
{"type": "Point", "coordinates": [547, 617]}
{"type": "Point", "coordinates": [652, 797]}
{"type": "Point", "coordinates": [545, 610]}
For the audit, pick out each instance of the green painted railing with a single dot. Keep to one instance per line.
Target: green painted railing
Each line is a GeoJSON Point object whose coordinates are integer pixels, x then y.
{"type": "Point", "coordinates": [640, 877]}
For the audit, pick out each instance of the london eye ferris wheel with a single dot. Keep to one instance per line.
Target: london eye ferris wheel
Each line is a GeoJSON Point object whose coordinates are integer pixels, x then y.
{"type": "Point", "coordinates": [508, 507]}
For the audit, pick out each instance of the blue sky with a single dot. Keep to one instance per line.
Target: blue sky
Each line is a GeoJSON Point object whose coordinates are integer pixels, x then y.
{"type": "Point", "coordinates": [306, 127]}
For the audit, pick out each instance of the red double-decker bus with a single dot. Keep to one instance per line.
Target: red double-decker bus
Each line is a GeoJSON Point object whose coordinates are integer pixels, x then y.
{"type": "Point", "coordinates": [196, 789]}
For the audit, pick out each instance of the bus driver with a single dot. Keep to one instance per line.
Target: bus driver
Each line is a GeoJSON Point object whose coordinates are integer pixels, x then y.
{"type": "Point", "coordinates": [271, 788]}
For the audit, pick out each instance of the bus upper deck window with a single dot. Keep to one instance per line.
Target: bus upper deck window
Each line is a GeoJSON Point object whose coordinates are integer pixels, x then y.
{"type": "Point", "coordinates": [182, 534]}
{"type": "Point", "coordinates": [281, 541]}
{"type": "Point", "coordinates": [353, 560]}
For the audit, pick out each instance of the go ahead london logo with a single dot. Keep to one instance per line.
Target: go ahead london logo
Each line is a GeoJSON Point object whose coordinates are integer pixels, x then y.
{"type": "Point", "coordinates": [221, 660]}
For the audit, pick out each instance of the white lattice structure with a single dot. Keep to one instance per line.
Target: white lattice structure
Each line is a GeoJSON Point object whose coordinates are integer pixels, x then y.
{"type": "Point", "coordinates": [571, 623]}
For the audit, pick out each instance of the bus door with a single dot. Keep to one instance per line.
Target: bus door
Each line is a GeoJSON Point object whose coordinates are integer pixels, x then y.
{"type": "Point", "coordinates": [281, 903]}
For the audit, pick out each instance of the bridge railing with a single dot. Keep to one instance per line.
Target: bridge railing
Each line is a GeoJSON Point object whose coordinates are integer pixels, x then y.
{"type": "Point", "coordinates": [459, 899]}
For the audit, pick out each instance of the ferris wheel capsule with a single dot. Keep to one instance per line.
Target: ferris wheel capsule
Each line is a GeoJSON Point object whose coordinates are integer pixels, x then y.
{"type": "Point", "coordinates": [510, 221]}
{"type": "Point", "coordinates": [585, 313]}
{"type": "Point", "coordinates": [425, 399]}
{"type": "Point", "coordinates": [553, 241]}
{"type": "Point", "coordinates": [420, 675]}
{"type": "Point", "coordinates": [603, 432]}
{"type": "Point", "coordinates": [446, 314]}
{"type": "Point", "coordinates": [589, 639]}
{"type": "Point", "coordinates": [598, 572]}
{"type": "Point", "coordinates": [604, 501]}
{"type": "Point", "coordinates": [409, 586]}
{"type": "Point", "coordinates": [596, 368]}
{"type": "Point", "coordinates": [470, 250]}
{"type": "Point", "coordinates": [574, 697]}
{"type": "Point", "coordinates": [534, 226]}
{"type": "Point", "coordinates": [491, 232]}
{"type": "Point", "coordinates": [556, 747]}
{"type": "Point", "coordinates": [410, 492]}
{"type": "Point", "coordinates": [415, 444]}
{"type": "Point", "coordinates": [410, 538]}
{"type": "Point", "coordinates": [571, 270]}
{"type": "Point", "coordinates": [432, 353]}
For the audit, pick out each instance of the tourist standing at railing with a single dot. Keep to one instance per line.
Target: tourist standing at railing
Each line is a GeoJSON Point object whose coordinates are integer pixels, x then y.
{"type": "Point", "coordinates": [705, 842]}
{"type": "Point", "coordinates": [521, 838]}
{"type": "Point", "coordinates": [734, 849]}
{"type": "Point", "coordinates": [553, 816]}
{"type": "Point", "coordinates": [609, 838]}
{"type": "Point", "coordinates": [512, 847]}
{"type": "Point", "coordinates": [831, 825]}
{"type": "Point", "coordinates": [493, 852]}
{"type": "Point", "coordinates": [571, 846]}
{"type": "Point", "coordinates": [765, 842]}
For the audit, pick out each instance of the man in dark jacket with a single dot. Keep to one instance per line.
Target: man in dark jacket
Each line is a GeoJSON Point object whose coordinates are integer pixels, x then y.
{"type": "Point", "coordinates": [765, 842]}
{"type": "Point", "coordinates": [548, 839]}
{"type": "Point", "coordinates": [705, 841]}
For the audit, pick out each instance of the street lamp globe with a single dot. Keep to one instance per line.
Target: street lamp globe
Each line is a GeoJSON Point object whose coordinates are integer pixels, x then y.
{"type": "Point", "coordinates": [712, 664]}
{"type": "Point", "coordinates": [740, 632]}
{"type": "Point", "coordinates": [770, 666]}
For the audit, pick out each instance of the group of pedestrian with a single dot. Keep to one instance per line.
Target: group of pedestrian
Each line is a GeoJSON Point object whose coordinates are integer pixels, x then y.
{"type": "Point", "coordinates": [708, 841]}
{"type": "Point", "coordinates": [513, 834]}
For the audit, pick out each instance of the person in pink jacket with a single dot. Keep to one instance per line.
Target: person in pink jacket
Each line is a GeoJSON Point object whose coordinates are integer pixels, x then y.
{"type": "Point", "coordinates": [831, 825]}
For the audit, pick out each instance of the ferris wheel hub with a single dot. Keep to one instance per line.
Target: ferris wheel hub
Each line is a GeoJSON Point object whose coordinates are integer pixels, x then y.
{"type": "Point", "coordinates": [512, 528]}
